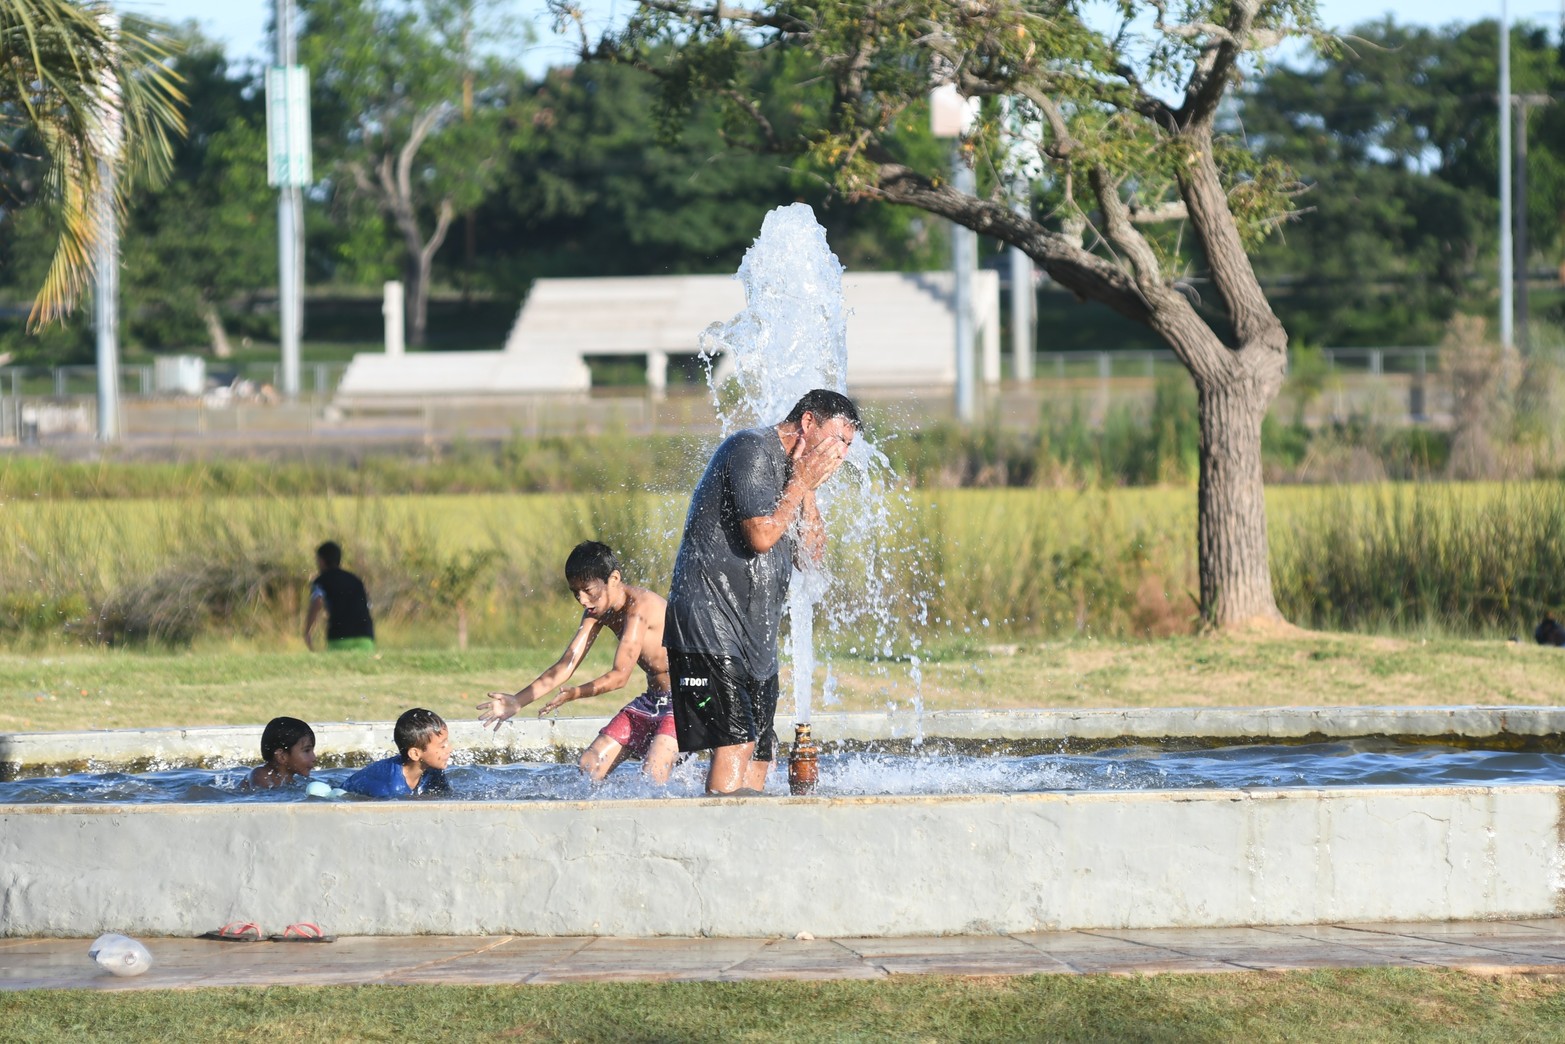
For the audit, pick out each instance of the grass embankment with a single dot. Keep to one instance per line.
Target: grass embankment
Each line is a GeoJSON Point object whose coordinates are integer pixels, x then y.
{"type": "Point", "coordinates": [124, 689]}
{"type": "Point", "coordinates": [1357, 1006]}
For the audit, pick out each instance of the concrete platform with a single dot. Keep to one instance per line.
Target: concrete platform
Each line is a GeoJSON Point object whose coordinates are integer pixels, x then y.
{"type": "Point", "coordinates": [1479, 947]}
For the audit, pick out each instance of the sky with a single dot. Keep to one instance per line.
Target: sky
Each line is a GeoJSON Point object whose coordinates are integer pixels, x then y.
{"type": "Point", "coordinates": [241, 24]}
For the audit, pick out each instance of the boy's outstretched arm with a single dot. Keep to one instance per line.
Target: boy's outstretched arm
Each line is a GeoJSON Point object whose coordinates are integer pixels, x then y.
{"type": "Point", "coordinates": [625, 659]}
{"type": "Point", "coordinates": [501, 705]}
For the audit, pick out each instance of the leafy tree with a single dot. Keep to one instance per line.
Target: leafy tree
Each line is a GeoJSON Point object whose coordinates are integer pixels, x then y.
{"type": "Point", "coordinates": [1395, 133]}
{"type": "Point", "coordinates": [209, 236]}
{"type": "Point", "coordinates": [387, 90]}
{"type": "Point", "coordinates": [70, 78]}
{"type": "Point", "coordinates": [595, 185]}
{"type": "Point", "coordinates": [1122, 126]}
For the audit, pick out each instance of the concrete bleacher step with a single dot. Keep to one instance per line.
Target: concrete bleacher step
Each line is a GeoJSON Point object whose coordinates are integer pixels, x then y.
{"type": "Point", "coordinates": [900, 330]}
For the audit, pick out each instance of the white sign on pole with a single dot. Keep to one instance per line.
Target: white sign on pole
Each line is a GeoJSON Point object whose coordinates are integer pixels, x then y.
{"type": "Point", "coordinates": [950, 114]}
{"type": "Point", "coordinates": [288, 126]}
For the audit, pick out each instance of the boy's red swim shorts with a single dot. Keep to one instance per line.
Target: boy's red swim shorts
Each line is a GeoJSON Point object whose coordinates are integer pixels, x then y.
{"type": "Point", "coordinates": [639, 723]}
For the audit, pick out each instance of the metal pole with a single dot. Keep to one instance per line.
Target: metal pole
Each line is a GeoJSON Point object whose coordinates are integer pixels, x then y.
{"type": "Point", "coordinates": [964, 250]}
{"type": "Point", "coordinates": [290, 236]}
{"type": "Point", "coordinates": [1520, 217]}
{"type": "Point", "coordinates": [1023, 331]}
{"type": "Point", "coordinates": [1507, 257]}
{"type": "Point", "coordinates": [106, 307]}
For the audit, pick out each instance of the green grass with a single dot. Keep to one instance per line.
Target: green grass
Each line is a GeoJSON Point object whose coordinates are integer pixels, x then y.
{"type": "Point", "coordinates": [215, 685]}
{"type": "Point", "coordinates": [1356, 1006]}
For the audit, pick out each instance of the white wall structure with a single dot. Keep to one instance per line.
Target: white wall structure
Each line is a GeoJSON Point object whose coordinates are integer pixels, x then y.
{"type": "Point", "coordinates": [833, 866]}
{"type": "Point", "coordinates": [754, 867]}
{"type": "Point", "coordinates": [900, 335]}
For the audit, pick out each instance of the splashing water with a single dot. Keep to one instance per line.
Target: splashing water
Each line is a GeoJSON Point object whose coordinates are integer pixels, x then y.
{"type": "Point", "coordinates": [790, 338]}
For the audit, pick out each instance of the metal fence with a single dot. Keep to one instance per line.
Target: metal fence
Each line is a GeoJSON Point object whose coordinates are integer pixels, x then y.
{"type": "Point", "coordinates": [1394, 385]}
{"type": "Point", "coordinates": [1107, 365]}
{"type": "Point", "coordinates": [318, 381]}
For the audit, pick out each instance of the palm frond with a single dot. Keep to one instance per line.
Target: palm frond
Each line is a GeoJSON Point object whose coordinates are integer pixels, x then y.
{"type": "Point", "coordinates": [67, 75]}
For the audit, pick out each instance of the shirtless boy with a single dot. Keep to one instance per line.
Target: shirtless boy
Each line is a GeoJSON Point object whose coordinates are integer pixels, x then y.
{"type": "Point", "coordinates": [645, 727]}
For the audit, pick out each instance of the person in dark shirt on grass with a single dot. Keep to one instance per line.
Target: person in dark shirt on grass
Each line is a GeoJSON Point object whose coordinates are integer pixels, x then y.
{"type": "Point", "coordinates": [341, 596]}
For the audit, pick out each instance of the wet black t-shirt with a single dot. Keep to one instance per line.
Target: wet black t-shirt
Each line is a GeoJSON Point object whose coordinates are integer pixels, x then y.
{"type": "Point", "coordinates": [347, 605]}
{"type": "Point", "coordinates": [727, 600]}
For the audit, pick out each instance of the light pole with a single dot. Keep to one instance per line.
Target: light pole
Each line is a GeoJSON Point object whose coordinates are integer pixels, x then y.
{"type": "Point", "coordinates": [1507, 258]}
{"type": "Point", "coordinates": [950, 117]}
{"type": "Point", "coordinates": [106, 251]}
{"type": "Point", "coordinates": [288, 143]}
{"type": "Point", "coordinates": [1023, 326]}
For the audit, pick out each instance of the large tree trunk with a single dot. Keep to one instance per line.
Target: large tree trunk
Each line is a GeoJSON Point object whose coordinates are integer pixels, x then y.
{"type": "Point", "coordinates": [1236, 580]}
{"type": "Point", "coordinates": [1234, 386]}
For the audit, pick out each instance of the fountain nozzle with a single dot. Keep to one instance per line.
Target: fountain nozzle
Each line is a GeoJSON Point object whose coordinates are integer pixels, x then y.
{"type": "Point", "coordinates": [803, 763]}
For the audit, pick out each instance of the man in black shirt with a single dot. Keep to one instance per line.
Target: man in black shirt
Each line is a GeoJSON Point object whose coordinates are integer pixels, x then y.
{"type": "Point", "coordinates": [754, 504]}
{"type": "Point", "coordinates": [341, 595]}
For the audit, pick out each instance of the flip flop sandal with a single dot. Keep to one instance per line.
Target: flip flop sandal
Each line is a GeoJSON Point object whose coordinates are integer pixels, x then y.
{"type": "Point", "coordinates": [304, 931]}
{"type": "Point", "coordinates": [235, 931]}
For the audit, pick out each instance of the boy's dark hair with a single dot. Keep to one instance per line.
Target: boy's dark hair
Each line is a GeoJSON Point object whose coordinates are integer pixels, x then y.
{"type": "Point", "coordinates": [282, 734]}
{"type": "Point", "coordinates": [825, 404]}
{"type": "Point", "coordinates": [330, 554]}
{"type": "Point", "coordinates": [416, 728]}
{"type": "Point", "coordinates": [591, 560]}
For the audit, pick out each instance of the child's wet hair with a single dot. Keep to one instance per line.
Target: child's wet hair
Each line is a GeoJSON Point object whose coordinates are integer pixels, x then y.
{"type": "Point", "coordinates": [282, 734]}
{"type": "Point", "coordinates": [330, 554]}
{"type": "Point", "coordinates": [416, 728]}
{"type": "Point", "coordinates": [591, 560]}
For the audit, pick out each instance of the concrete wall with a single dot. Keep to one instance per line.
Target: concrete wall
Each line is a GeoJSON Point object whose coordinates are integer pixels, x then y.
{"type": "Point", "coordinates": [769, 866]}
{"type": "Point", "coordinates": [533, 738]}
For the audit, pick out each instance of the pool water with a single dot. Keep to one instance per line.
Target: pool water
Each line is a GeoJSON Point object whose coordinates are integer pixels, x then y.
{"type": "Point", "coordinates": [1345, 763]}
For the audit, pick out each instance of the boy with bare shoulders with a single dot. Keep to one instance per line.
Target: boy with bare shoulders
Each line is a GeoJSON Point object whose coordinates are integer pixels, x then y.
{"type": "Point", "coordinates": [645, 727]}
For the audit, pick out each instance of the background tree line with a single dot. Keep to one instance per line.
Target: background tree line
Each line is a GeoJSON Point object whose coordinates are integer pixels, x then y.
{"type": "Point", "coordinates": [439, 161]}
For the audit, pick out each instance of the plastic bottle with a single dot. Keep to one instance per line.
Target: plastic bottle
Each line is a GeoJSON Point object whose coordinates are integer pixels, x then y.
{"type": "Point", "coordinates": [316, 788]}
{"type": "Point", "coordinates": [120, 955]}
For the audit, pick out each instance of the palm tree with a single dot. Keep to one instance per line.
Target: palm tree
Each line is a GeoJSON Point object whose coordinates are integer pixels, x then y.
{"type": "Point", "coordinates": [82, 95]}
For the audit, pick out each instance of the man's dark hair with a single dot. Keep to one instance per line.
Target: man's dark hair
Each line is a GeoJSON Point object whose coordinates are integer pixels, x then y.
{"type": "Point", "coordinates": [282, 734]}
{"type": "Point", "coordinates": [825, 404]}
{"type": "Point", "coordinates": [591, 560]}
{"type": "Point", "coordinates": [416, 728]}
{"type": "Point", "coordinates": [330, 555]}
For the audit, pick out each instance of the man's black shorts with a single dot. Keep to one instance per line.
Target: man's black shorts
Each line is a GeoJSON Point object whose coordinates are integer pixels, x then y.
{"type": "Point", "coordinates": [717, 706]}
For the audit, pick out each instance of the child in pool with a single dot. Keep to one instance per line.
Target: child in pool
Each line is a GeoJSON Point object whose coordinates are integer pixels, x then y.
{"type": "Point", "coordinates": [418, 767]}
{"type": "Point", "coordinates": [645, 727]}
{"type": "Point", "coordinates": [287, 750]}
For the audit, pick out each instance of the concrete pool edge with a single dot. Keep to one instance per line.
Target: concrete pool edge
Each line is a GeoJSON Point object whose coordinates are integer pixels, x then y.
{"type": "Point", "coordinates": [25, 752]}
{"type": "Point", "coordinates": [834, 867]}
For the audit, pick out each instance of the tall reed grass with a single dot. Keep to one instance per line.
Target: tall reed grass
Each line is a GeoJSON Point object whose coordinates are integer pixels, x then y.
{"type": "Point", "coordinates": [969, 565]}
{"type": "Point", "coordinates": [1458, 559]}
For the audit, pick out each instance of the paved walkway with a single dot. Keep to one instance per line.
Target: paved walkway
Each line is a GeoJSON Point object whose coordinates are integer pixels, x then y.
{"type": "Point", "coordinates": [1489, 947]}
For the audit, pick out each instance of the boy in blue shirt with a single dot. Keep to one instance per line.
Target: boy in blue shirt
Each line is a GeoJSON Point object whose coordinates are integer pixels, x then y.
{"type": "Point", "coordinates": [424, 751]}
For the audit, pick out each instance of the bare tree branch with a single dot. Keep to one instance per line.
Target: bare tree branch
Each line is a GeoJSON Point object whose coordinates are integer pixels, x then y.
{"type": "Point", "coordinates": [1084, 274]}
{"type": "Point", "coordinates": [1168, 210]}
